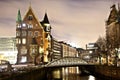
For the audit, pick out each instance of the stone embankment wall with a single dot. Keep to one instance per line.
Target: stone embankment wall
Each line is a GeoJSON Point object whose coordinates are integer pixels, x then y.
{"type": "Point", "coordinates": [104, 71]}
{"type": "Point", "coordinates": [34, 74]}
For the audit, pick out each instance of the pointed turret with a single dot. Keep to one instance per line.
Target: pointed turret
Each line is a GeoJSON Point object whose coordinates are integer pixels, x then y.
{"type": "Point", "coordinates": [19, 18]}
{"type": "Point", "coordinates": [46, 24]}
{"type": "Point", "coordinates": [45, 20]}
{"type": "Point", "coordinates": [113, 15]}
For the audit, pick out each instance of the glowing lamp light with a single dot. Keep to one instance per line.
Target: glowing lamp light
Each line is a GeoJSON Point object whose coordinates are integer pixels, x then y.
{"type": "Point", "coordinates": [23, 24]}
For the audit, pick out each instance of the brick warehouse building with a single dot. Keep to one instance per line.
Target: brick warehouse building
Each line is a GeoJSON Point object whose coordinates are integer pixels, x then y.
{"type": "Point", "coordinates": [33, 40]}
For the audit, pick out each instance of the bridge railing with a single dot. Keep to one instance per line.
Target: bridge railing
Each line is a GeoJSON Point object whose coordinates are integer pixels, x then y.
{"type": "Point", "coordinates": [67, 61]}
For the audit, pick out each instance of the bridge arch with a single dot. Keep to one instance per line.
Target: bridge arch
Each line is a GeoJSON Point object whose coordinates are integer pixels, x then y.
{"type": "Point", "coordinates": [67, 61]}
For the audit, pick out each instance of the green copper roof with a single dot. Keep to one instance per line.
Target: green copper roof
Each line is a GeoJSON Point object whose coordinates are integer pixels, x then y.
{"type": "Point", "coordinates": [19, 18]}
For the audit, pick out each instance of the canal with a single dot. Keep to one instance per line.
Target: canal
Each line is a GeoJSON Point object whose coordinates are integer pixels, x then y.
{"type": "Point", "coordinates": [68, 73]}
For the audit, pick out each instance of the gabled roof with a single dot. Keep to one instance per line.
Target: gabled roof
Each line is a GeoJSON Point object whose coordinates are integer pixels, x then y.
{"type": "Point", "coordinates": [30, 11]}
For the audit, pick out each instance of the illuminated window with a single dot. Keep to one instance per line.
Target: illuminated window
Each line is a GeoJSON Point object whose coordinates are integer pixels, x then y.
{"type": "Point", "coordinates": [17, 33]}
{"type": "Point", "coordinates": [30, 26]}
{"type": "Point", "coordinates": [23, 59]}
{"type": "Point", "coordinates": [23, 50]}
{"type": "Point", "coordinates": [33, 50]}
{"type": "Point", "coordinates": [18, 41]}
{"type": "Point", "coordinates": [23, 25]}
{"type": "Point", "coordinates": [49, 38]}
{"type": "Point", "coordinates": [24, 41]}
{"type": "Point", "coordinates": [18, 25]}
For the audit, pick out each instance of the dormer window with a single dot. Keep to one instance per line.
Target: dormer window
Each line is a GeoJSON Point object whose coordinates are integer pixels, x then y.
{"type": "Point", "coordinates": [30, 17]}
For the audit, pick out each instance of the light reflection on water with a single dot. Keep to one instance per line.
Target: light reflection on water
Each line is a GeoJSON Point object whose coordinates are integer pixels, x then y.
{"type": "Point", "coordinates": [69, 74]}
{"type": "Point", "coordinates": [91, 77]}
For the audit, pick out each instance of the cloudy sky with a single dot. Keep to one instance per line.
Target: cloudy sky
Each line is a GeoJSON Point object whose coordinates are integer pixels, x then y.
{"type": "Point", "coordinates": [77, 22]}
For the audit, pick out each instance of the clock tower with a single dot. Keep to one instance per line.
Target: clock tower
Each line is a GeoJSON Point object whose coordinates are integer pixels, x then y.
{"type": "Point", "coordinates": [47, 28]}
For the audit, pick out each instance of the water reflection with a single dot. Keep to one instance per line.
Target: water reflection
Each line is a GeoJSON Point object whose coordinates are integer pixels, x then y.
{"type": "Point", "coordinates": [91, 77]}
{"type": "Point", "coordinates": [68, 73]}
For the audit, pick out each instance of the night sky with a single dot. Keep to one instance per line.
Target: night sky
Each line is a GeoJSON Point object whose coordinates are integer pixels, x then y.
{"type": "Point", "coordinates": [77, 22]}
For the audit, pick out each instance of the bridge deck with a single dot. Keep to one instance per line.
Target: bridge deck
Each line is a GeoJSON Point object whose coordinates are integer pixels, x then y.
{"type": "Point", "coordinates": [67, 62]}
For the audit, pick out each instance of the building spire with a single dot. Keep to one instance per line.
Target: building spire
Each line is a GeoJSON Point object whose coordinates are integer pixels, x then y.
{"type": "Point", "coordinates": [45, 20]}
{"type": "Point", "coordinates": [113, 14]}
{"type": "Point", "coordinates": [29, 3]}
{"type": "Point", "coordinates": [19, 18]}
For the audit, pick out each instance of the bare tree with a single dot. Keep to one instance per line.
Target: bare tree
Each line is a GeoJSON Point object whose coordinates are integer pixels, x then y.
{"type": "Point", "coordinates": [101, 42]}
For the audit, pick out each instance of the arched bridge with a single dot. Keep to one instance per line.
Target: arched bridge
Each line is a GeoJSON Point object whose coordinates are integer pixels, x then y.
{"type": "Point", "coordinates": [66, 62]}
